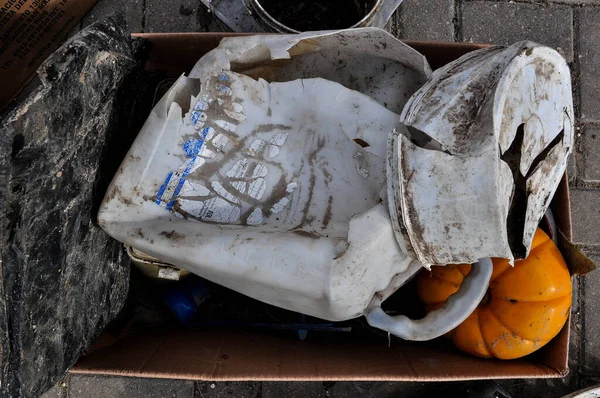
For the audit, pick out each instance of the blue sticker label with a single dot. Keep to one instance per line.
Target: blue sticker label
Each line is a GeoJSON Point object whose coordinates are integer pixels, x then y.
{"type": "Point", "coordinates": [202, 105]}
{"type": "Point", "coordinates": [195, 116]}
{"type": "Point", "coordinates": [188, 167]}
{"type": "Point", "coordinates": [205, 131]}
{"type": "Point", "coordinates": [162, 188]}
{"type": "Point", "coordinates": [192, 147]}
{"type": "Point", "coordinates": [176, 193]}
{"type": "Point", "coordinates": [224, 89]}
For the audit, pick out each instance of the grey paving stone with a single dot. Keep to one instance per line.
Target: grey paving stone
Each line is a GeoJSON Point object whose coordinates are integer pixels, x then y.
{"type": "Point", "coordinates": [589, 61]}
{"type": "Point", "coordinates": [296, 389]}
{"type": "Point", "coordinates": [541, 388]}
{"type": "Point", "coordinates": [590, 153]}
{"type": "Point", "coordinates": [210, 389]}
{"type": "Point", "coordinates": [425, 20]}
{"type": "Point", "coordinates": [83, 386]}
{"type": "Point", "coordinates": [591, 321]}
{"type": "Point", "coordinates": [181, 16]}
{"type": "Point", "coordinates": [506, 23]}
{"type": "Point", "coordinates": [58, 391]}
{"type": "Point", "coordinates": [585, 209]}
{"type": "Point", "coordinates": [386, 389]}
{"type": "Point", "coordinates": [132, 9]}
{"type": "Point", "coordinates": [484, 388]}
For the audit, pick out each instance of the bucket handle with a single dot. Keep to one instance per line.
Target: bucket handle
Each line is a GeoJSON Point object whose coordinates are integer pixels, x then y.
{"type": "Point", "coordinates": [385, 13]}
{"type": "Point", "coordinates": [457, 308]}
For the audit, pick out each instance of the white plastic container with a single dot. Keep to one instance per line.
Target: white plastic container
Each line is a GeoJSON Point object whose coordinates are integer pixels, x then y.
{"type": "Point", "coordinates": [287, 208]}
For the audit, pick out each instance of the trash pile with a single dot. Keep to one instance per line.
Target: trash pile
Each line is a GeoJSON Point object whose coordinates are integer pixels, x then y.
{"type": "Point", "coordinates": [320, 172]}
{"type": "Point", "coordinates": [305, 183]}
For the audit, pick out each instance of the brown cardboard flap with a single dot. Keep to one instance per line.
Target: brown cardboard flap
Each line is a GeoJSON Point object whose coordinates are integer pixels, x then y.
{"type": "Point", "coordinates": [212, 354]}
{"type": "Point", "coordinates": [439, 54]}
{"type": "Point", "coordinates": [29, 31]}
{"type": "Point", "coordinates": [578, 262]}
{"type": "Point", "coordinates": [556, 353]}
{"type": "Point", "coordinates": [178, 52]}
{"type": "Point", "coordinates": [561, 208]}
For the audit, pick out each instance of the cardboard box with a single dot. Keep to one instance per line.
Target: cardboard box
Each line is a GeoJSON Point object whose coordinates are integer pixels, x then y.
{"type": "Point", "coordinates": [218, 354]}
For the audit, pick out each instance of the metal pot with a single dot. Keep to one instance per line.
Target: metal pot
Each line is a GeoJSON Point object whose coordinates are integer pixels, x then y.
{"type": "Point", "coordinates": [378, 16]}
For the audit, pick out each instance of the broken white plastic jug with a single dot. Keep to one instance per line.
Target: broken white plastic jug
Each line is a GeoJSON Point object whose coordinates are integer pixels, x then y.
{"type": "Point", "coordinates": [496, 129]}
{"type": "Point", "coordinates": [277, 190]}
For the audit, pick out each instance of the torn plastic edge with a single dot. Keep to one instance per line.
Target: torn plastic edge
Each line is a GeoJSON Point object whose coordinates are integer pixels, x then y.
{"type": "Point", "coordinates": [262, 48]}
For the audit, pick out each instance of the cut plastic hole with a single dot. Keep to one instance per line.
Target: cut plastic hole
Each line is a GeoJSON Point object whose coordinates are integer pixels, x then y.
{"type": "Point", "coordinates": [362, 143]}
{"type": "Point", "coordinates": [423, 140]}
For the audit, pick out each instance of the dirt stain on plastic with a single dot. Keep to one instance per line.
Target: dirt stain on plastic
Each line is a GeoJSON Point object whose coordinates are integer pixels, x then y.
{"type": "Point", "coordinates": [328, 212]}
{"type": "Point", "coordinates": [172, 235]}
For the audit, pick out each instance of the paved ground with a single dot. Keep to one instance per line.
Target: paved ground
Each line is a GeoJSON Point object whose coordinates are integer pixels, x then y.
{"type": "Point", "coordinates": [571, 26]}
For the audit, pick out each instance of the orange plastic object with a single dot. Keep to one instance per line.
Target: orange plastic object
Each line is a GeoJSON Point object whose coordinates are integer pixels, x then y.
{"type": "Point", "coordinates": [525, 306]}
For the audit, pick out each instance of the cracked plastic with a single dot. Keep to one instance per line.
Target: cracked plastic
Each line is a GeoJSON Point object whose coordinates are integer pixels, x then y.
{"type": "Point", "coordinates": [502, 119]}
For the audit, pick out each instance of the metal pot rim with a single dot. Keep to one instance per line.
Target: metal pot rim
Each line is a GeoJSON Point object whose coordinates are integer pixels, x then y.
{"type": "Point", "coordinates": [286, 29]}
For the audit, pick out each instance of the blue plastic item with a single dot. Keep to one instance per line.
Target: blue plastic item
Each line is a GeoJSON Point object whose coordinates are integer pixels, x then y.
{"type": "Point", "coordinates": [185, 298]}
